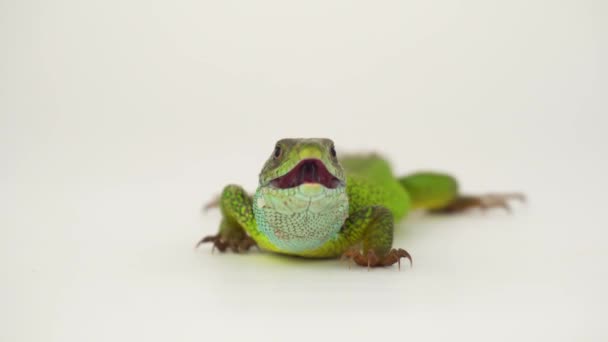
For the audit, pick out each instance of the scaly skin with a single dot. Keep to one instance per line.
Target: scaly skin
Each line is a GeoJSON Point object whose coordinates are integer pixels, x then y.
{"type": "Point", "coordinates": [348, 210]}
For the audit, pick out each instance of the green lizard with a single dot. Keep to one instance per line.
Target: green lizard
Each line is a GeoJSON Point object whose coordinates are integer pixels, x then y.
{"type": "Point", "coordinates": [312, 204]}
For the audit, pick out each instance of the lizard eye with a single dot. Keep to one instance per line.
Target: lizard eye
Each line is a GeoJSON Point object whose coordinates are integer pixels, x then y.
{"type": "Point", "coordinates": [277, 152]}
{"type": "Point", "coordinates": [332, 150]}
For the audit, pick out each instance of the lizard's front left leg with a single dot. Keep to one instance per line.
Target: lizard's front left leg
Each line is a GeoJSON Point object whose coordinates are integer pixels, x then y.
{"type": "Point", "coordinates": [366, 238]}
{"type": "Point", "coordinates": [238, 223]}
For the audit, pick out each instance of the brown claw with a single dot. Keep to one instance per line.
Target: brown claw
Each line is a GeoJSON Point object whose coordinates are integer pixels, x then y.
{"type": "Point", "coordinates": [237, 246]}
{"type": "Point", "coordinates": [216, 240]}
{"type": "Point", "coordinates": [246, 243]}
{"type": "Point", "coordinates": [483, 202]}
{"type": "Point", "coordinates": [395, 255]}
{"type": "Point", "coordinates": [214, 203]}
{"type": "Point", "coordinates": [499, 201]}
{"type": "Point", "coordinates": [207, 238]}
{"type": "Point", "coordinates": [372, 260]}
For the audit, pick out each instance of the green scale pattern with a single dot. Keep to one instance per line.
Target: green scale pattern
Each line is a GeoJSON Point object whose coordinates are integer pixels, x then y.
{"type": "Point", "coordinates": [299, 219]}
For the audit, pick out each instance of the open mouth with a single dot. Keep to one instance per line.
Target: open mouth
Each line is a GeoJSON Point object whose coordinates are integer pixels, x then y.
{"type": "Point", "coordinates": [307, 171]}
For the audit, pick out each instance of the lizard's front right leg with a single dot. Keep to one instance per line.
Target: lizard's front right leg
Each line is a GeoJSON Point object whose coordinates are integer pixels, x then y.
{"type": "Point", "coordinates": [238, 223]}
{"type": "Point", "coordinates": [366, 238]}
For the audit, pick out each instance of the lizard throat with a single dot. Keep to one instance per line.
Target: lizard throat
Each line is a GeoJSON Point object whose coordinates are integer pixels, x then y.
{"type": "Point", "coordinates": [301, 218]}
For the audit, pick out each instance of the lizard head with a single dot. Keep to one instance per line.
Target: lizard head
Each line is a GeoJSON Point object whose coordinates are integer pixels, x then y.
{"type": "Point", "coordinates": [301, 200]}
{"type": "Point", "coordinates": [297, 162]}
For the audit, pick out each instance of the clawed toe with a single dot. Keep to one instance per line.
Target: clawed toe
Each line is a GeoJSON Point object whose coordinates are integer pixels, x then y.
{"type": "Point", "coordinates": [216, 240]}
{"type": "Point", "coordinates": [370, 259]}
{"type": "Point", "coordinates": [395, 255]}
{"type": "Point", "coordinates": [245, 244]}
{"type": "Point", "coordinates": [483, 202]}
{"type": "Point", "coordinates": [214, 203]}
{"type": "Point", "coordinates": [499, 200]}
{"type": "Point", "coordinates": [236, 245]}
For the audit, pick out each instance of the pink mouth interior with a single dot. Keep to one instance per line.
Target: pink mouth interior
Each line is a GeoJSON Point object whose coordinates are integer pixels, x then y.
{"type": "Point", "coordinates": [307, 171]}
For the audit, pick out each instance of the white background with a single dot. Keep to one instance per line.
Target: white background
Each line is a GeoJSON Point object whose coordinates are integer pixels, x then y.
{"type": "Point", "coordinates": [119, 119]}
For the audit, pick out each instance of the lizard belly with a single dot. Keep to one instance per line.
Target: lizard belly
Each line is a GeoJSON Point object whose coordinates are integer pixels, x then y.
{"type": "Point", "coordinates": [298, 219]}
